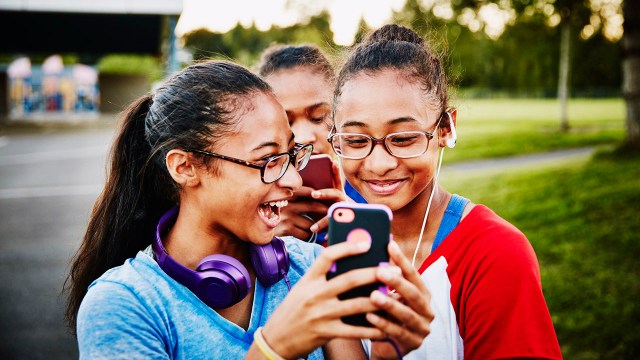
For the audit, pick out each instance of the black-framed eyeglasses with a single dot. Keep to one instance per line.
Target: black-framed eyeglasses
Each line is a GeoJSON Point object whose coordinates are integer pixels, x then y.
{"type": "Point", "coordinates": [274, 167]}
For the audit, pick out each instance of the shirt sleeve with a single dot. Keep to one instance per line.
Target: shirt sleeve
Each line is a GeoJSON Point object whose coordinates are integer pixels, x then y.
{"type": "Point", "coordinates": [505, 313]}
{"type": "Point", "coordinates": [113, 323]}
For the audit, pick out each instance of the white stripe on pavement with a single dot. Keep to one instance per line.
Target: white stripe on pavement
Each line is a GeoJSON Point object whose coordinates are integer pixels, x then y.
{"type": "Point", "coordinates": [54, 155]}
{"type": "Point", "coordinates": [50, 191]}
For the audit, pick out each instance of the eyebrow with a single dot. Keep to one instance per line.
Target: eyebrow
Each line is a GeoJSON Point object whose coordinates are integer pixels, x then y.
{"type": "Point", "coordinates": [271, 143]}
{"type": "Point", "coordinates": [400, 120]}
{"type": "Point", "coordinates": [317, 105]}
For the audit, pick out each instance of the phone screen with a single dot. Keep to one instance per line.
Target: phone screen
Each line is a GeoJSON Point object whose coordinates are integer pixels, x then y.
{"type": "Point", "coordinates": [360, 222]}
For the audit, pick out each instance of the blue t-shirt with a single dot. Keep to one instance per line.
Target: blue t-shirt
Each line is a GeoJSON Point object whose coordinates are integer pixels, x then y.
{"type": "Point", "coordinates": [136, 311]}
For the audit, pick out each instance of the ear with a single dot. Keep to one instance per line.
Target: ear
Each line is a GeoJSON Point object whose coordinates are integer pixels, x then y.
{"type": "Point", "coordinates": [182, 168]}
{"type": "Point", "coordinates": [448, 135]}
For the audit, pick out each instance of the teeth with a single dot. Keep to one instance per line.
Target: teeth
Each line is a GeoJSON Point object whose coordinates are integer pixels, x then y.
{"type": "Point", "coordinates": [281, 203]}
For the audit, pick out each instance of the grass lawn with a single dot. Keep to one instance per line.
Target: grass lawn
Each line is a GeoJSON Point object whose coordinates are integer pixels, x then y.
{"type": "Point", "coordinates": [506, 127]}
{"type": "Point", "coordinates": [583, 219]}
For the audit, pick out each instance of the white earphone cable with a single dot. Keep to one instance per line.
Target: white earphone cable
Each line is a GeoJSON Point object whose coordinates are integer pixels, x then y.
{"type": "Point", "coordinates": [426, 214]}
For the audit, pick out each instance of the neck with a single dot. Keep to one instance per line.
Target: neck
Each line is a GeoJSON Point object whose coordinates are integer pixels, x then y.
{"type": "Point", "coordinates": [191, 239]}
{"type": "Point", "coordinates": [407, 223]}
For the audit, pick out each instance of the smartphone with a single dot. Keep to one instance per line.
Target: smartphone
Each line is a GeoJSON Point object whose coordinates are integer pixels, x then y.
{"type": "Point", "coordinates": [318, 173]}
{"type": "Point", "coordinates": [360, 222]}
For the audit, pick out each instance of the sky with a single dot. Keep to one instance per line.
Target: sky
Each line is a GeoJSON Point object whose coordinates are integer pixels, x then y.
{"type": "Point", "coordinates": [223, 15]}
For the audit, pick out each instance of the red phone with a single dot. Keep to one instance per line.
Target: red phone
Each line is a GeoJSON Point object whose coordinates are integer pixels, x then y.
{"type": "Point", "coordinates": [318, 173]}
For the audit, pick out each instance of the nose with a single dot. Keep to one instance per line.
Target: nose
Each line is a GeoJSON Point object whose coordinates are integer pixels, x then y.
{"type": "Point", "coordinates": [291, 178]}
{"type": "Point", "coordinates": [380, 162]}
{"type": "Point", "coordinates": [303, 132]}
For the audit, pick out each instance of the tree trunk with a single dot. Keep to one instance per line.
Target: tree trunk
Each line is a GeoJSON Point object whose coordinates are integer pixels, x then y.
{"type": "Point", "coordinates": [631, 70]}
{"type": "Point", "coordinates": [563, 77]}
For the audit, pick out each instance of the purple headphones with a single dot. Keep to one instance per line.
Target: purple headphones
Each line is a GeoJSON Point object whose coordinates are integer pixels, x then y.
{"type": "Point", "coordinates": [220, 280]}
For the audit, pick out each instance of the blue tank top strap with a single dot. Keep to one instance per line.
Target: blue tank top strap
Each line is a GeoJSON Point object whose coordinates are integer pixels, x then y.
{"type": "Point", "coordinates": [353, 194]}
{"type": "Point", "coordinates": [451, 219]}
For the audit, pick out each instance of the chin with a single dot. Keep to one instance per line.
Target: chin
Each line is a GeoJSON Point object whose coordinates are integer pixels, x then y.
{"type": "Point", "coordinates": [262, 238]}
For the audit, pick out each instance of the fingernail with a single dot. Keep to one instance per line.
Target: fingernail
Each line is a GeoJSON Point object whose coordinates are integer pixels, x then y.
{"type": "Point", "coordinates": [315, 194]}
{"type": "Point", "coordinates": [384, 273]}
{"type": "Point", "coordinates": [363, 245]}
{"type": "Point", "coordinates": [373, 318]}
{"type": "Point", "coordinates": [395, 270]}
{"type": "Point", "coordinates": [394, 246]}
{"type": "Point", "coordinates": [378, 298]}
{"type": "Point", "coordinates": [314, 228]}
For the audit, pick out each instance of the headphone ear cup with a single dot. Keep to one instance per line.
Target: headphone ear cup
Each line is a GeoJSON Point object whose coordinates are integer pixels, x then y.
{"type": "Point", "coordinates": [222, 281]}
{"type": "Point", "coordinates": [270, 261]}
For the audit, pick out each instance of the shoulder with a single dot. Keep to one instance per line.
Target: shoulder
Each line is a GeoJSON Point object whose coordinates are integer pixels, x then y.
{"type": "Point", "coordinates": [484, 225]}
{"type": "Point", "coordinates": [488, 240]}
{"type": "Point", "coordinates": [301, 253]}
{"type": "Point", "coordinates": [135, 273]}
{"type": "Point", "coordinates": [119, 314]}
{"type": "Point", "coordinates": [120, 287]}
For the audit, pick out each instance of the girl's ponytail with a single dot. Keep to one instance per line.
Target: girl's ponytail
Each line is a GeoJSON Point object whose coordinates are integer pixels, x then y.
{"type": "Point", "coordinates": [119, 224]}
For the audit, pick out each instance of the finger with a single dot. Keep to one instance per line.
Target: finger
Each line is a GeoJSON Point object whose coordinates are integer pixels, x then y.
{"type": "Point", "coordinates": [403, 336]}
{"type": "Point", "coordinates": [331, 254]}
{"type": "Point", "coordinates": [403, 314]}
{"type": "Point", "coordinates": [329, 194]}
{"type": "Point", "coordinates": [411, 294]}
{"type": "Point", "coordinates": [303, 191]}
{"type": "Point", "coordinates": [338, 329]}
{"type": "Point", "coordinates": [306, 205]}
{"type": "Point", "coordinates": [337, 178]}
{"type": "Point", "coordinates": [351, 279]}
{"type": "Point", "coordinates": [354, 306]}
{"type": "Point", "coordinates": [408, 271]}
{"type": "Point", "coordinates": [321, 224]}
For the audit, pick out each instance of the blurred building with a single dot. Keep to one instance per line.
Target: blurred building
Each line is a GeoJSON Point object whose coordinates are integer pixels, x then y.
{"type": "Point", "coordinates": [39, 30]}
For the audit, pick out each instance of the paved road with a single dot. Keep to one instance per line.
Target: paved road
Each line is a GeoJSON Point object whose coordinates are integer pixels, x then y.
{"type": "Point", "coordinates": [48, 182]}
{"type": "Point", "coordinates": [520, 161]}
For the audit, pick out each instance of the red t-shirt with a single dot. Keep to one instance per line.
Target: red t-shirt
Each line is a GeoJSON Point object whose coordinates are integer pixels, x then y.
{"type": "Point", "coordinates": [496, 292]}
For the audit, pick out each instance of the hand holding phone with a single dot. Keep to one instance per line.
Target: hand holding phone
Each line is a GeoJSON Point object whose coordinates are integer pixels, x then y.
{"type": "Point", "coordinates": [356, 223]}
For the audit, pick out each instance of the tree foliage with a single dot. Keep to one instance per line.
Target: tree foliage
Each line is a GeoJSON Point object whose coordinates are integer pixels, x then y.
{"type": "Point", "coordinates": [246, 44]}
{"type": "Point", "coordinates": [523, 61]}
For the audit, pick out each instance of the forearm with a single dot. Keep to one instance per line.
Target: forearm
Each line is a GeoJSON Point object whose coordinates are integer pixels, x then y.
{"type": "Point", "coordinates": [344, 349]}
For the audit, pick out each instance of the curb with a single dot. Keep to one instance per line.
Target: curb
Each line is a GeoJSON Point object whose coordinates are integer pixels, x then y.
{"type": "Point", "coordinates": [29, 126]}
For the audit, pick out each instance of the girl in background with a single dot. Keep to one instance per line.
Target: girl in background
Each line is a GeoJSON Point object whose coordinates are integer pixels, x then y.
{"type": "Point", "coordinates": [302, 79]}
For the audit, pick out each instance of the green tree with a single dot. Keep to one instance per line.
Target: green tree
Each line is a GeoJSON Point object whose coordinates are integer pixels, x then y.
{"type": "Point", "coordinates": [572, 17]}
{"type": "Point", "coordinates": [631, 69]}
{"type": "Point", "coordinates": [245, 44]}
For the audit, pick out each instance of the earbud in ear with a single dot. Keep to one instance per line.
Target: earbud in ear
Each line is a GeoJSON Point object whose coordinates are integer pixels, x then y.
{"type": "Point", "coordinates": [451, 141]}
